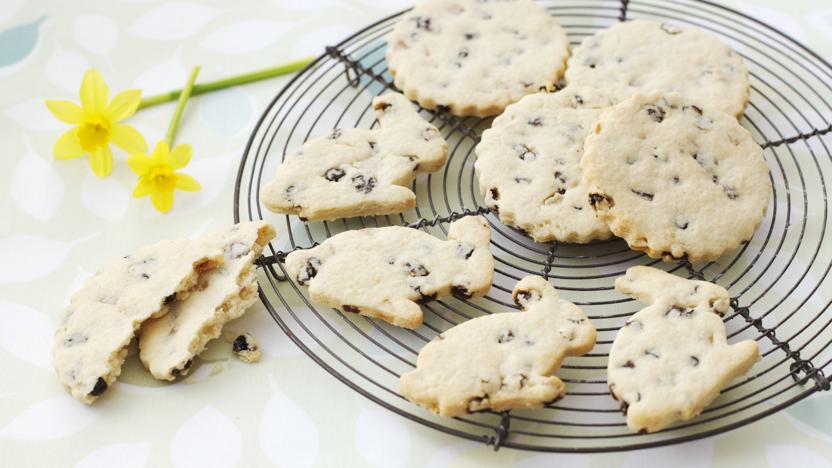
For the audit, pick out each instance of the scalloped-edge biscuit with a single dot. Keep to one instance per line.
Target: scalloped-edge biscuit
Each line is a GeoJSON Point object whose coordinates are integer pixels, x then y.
{"type": "Point", "coordinates": [642, 56]}
{"type": "Point", "coordinates": [501, 361]}
{"type": "Point", "coordinates": [475, 57]}
{"type": "Point", "coordinates": [528, 165]}
{"type": "Point", "coordinates": [674, 180]}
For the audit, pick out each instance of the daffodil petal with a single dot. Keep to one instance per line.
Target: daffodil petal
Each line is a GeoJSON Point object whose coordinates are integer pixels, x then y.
{"type": "Point", "coordinates": [160, 153]}
{"type": "Point", "coordinates": [142, 188]}
{"type": "Point", "coordinates": [65, 111]}
{"type": "Point", "coordinates": [124, 104]}
{"type": "Point", "coordinates": [140, 164]}
{"type": "Point", "coordinates": [180, 156]}
{"type": "Point", "coordinates": [162, 200]}
{"type": "Point", "coordinates": [94, 93]}
{"type": "Point", "coordinates": [101, 161]}
{"type": "Point", "coordinates": [68, 146]}
{"type": "Point", "coordinates": [128, 138]}
{"type": "Point", "coordinates": [186, 183]}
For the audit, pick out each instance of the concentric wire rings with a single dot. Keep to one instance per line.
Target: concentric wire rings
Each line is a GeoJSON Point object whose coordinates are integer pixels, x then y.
{"type": "Point", "coordinates": [780, 280]}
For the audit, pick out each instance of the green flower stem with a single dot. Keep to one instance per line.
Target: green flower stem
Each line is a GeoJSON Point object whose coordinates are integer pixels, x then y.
{"type": "Point", "coordinates": [203, 88]}
{"type": "Point", "coordinates": [180, 106]}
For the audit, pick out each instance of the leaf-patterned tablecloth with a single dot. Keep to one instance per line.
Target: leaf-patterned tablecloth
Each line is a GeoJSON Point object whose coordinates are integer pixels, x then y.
{"type": "Point", "coordinates": [59, 223]}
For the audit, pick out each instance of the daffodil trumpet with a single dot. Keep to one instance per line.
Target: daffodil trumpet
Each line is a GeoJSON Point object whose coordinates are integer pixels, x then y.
{"type": "Point", "coordinates": [158, 177]}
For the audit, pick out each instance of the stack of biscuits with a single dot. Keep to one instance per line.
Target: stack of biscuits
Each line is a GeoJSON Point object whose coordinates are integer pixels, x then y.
{"type": "Point", "coordinates": [173, 296]}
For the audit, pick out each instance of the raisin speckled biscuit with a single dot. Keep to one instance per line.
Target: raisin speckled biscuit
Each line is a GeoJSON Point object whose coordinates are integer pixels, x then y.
{"type": "Point", "coordinates": [528, 164]}
{"type": "Point", "coordinates": [674, 180]}
{"type": "Point", "coordinates": [387, 272]}
{"type": "Point", "coordinates": [641, 55]}
{"type": "Point", "coordinates": [102, 317]}
{"type": "Point", "coordinates": [359, 172]}
{"type": "Point", "coordinates": [475, 57]}
{"type": "Point", "coordinates": [168, 344]}
{"type": "Point", "coordinates": [501, 361]}
{"type": "Point", "coordinates": [671, 358]}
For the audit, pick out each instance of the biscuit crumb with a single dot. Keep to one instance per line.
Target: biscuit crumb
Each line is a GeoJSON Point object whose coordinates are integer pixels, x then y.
{"type": "Point", "coordinates": [246, 349]}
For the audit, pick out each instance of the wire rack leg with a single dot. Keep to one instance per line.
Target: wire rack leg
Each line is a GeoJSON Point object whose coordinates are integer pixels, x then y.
{"type": "Point", "coordinates": [267, 262]}
{"type": "Point", "coordinates": [550, 259]}
{"type": "Point", "coordinates": [693, 272]}
{"type": "Point", "coordinates": [623, 10]}
{"type": "Point", "coordinates": [501, 431]}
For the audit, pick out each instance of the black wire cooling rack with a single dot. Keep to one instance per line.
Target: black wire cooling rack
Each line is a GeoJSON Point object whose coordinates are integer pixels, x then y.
{"type": "Point", "coordinates": [780, 280]}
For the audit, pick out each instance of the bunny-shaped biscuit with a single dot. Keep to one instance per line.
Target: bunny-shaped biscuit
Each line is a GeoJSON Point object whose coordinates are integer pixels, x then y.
{"type": "Point", "coordinates": [356, 171]}
{"type": "Point", "coordinates": [501, 361]}
{"type": "Point", "coordinates": [386, 272]}
{"type": "Point", "coordinates": [671, 358]}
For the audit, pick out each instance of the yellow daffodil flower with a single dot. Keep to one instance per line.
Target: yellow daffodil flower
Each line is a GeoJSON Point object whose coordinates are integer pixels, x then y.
{"type": "Point", "coordinates": [157, 177]}
{"type": "Point", "coordinates": [96, 124]}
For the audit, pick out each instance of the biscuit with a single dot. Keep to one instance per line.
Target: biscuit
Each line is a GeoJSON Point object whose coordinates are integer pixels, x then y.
{"type": "Point", "coordinates": [642, 56]}
{"type": "Point", "coordinates": [359, 172]}
{"type": "Point", "coordinates": [475, 57]}
{"type": "Point", "coordinates": [387, 272]}
{"type": "Point", "coordinates": [671, 358]}
{"type": "Point", "coordinates": [103, 316]}
{"type": "Point", "coordinates": [501, 361]}
{"type": "Point", "coordinates": [169, 344]}
{"type": "Point", "coordinates": [674, 180]}
{"type": "Point", "coordinates": [528, 165]}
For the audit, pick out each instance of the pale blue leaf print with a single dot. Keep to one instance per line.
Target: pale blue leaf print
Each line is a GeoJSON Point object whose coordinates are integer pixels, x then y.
{"type": "Point", "coordinates": [372, 58]}
{"type": "Point", "coordinates": [18, 42]}
{"type": "Point", "coordinates": [814, 412]}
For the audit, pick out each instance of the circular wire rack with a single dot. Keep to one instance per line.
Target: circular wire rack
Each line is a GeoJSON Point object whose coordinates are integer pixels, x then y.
{"type": "Point", "coordinates": [779, 280]}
